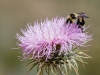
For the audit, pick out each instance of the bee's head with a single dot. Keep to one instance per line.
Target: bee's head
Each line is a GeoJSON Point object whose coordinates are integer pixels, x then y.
{"type": "Point", "coordinates": [83, 15]}
{"type": "Point", "coordinates": [74, 15]}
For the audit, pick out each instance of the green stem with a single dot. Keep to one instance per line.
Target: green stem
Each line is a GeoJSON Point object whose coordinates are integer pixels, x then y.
{"type": "Point", "coordinates": [59, 70]}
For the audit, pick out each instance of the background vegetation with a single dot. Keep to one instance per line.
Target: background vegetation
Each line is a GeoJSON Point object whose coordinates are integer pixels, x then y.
{"type": "Point", "coordinates": [15, 14]}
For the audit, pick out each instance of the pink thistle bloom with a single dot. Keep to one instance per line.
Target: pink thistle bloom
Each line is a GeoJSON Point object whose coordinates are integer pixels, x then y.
{"type": "Point", "coordinates": [50, 39]}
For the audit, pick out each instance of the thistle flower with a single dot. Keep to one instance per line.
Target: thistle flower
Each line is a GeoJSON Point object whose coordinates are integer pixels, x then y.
{"type": "Point", "coordinates": [53, 45]}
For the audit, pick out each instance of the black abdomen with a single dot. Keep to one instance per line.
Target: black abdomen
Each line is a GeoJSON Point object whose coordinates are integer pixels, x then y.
{"type": "Point", "coordinates": [81, 23]}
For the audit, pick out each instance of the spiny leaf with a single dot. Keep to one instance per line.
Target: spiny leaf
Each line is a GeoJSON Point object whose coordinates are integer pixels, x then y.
{"type": "Point", "coordinates": [32, 67]}
{"type": "Point", "coordinates": [29, 62]}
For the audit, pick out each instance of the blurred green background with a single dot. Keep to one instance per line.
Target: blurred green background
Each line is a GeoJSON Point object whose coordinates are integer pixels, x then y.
{"type": "Point", "coordinates": [15, 14]}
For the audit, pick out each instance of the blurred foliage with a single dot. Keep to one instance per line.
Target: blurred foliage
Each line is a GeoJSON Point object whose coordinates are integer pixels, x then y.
{"type": "Point", "coordinates": [15, 14]}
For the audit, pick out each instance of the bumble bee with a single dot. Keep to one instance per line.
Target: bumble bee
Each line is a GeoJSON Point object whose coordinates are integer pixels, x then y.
{"type": "Point", "coordinates": [77, 18]}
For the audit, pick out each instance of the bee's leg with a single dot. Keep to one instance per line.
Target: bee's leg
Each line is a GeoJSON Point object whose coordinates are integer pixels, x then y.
{"type": "Point", "coordinates": [82, 30]}
{"type": "Point", "coordinates": [80, 26]}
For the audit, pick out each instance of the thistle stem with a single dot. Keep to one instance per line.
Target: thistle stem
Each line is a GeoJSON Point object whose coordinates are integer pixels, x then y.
{"type": "Point", "coordinates": [59, 70]}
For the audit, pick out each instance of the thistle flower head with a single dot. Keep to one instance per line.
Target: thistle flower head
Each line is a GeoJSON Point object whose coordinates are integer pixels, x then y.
{"type": "Point", "coordinates": [53, 43]}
